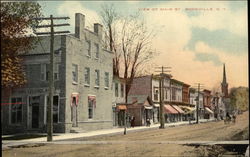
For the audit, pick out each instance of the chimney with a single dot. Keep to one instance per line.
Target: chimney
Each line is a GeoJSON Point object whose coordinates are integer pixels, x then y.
{"type": "Point", "coordinates": [98, 29]}
{"type": "Point", "coordinates": [79, 25]}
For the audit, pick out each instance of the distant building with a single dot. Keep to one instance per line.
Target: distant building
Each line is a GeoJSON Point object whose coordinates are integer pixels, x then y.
{"type": "Point", "coordinates": [218, 106]}
{"type": "Point", "coordinates": [144, 97]}
{"type": "Point", "coordinates": [82, 76]}
{"type": "Point", "coordinates": [207, 104]}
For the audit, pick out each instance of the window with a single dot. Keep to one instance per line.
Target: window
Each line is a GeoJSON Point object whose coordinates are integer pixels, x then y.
{"type": "Point", "coordinates": [87, 76]}
{"type": "Point", "coordinates": [97, 77]}
{"type": "Point", "coordinates": [75, 73]}
{"type": "Point", "coordinates": [116, 89]}
{"type": "Point", "coordinates": [96, 51]}
{"type": "Point", "coordinates": [16, 111]}
{"type": "Point", "coordinates": [156, 93]}
{"type": "Point", "coordinates": [45, 68]}
{"type": "Point", "coordinates": [44, 72]}
{"type": "Point", "coordinates": [89, 48]}
{"type": "Point", "coordinates": [106, 79]}
{"type": "Point", "coordinates": [173, 94]}
{"type": "Point", "coordinates": [56, 71]}
{"type": "Point", "coordinates": [55, 109]}
{"type": "Point", "coordinates": [91, 105]}
{"type": "Point", "coordinates": [122, 90]}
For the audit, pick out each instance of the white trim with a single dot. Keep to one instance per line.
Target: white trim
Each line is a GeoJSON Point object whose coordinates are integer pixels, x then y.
{"type": "Point", "coordinates": [97, 87]}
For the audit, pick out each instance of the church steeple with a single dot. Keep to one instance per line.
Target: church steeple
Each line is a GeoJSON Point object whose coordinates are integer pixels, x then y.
{"type": "Point", "coordinates": [224, 75]}
{"type": "Point", "coordinates": [224, 84]}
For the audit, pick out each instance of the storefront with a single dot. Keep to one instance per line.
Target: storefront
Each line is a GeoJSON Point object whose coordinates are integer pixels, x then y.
{"type": "Point", "coordinates": [171, 114]}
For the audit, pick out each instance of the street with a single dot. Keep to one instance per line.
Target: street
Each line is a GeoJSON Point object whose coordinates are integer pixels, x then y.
{"type": "Point", "coordinates": [153, 142]}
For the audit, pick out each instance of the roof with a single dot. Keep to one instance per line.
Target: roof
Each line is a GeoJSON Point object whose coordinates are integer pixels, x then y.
{"type": "Point", "coordinates": [207, 91]}
{"type": "Point", "coordinates": [165, 75]}
{"type": "Point", "coordinates": [177, 81]}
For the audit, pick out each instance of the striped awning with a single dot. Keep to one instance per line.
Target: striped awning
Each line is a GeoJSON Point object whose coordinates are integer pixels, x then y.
{"type": "Point", "coordinates": [170, 110]}
{"type": "Point", "coordinates": [187, 109]}
{"type": "Point", "coordinates": [208, 110]}
{"type": "Point", "coordinates": [178, 109]}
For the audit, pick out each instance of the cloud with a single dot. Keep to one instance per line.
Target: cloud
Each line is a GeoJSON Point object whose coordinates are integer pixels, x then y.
{"type": "Point", "coordinates": [209, 57]}
{"type": "Point", "coordinates": [220, 39]}
{"type": "Point", "coordinates": [69, 8]}
{"type": "Point", "coordinates": [234, 21]}
{"type": "Point", "coordinates": [195, 47]}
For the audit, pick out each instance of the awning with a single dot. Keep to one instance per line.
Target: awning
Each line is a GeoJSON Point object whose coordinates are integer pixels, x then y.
{"type": "Point", "coordinates": [178, 109]}
{"type": "Point", "coordinates": [169, 109]}
{"type": "Point", "coordinates": [148, 107]}
{"type": "Point", "coordinates": [76, 96]}
{"type": "Point", "coordinates": [156, 105]}
{"type": "Point", "coordinates": [187, 109]}
{"type": "Point", "coordinates": [121, 107]}
{"type": "Point", "coordinates": [208, 110]}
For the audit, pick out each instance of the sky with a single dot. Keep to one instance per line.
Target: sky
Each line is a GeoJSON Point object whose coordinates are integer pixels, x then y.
{"type": "Point", "coordinates": [194, 38]}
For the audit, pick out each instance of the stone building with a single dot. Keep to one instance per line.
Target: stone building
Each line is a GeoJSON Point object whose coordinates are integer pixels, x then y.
{"type": "Point", "coordinates": [82, 77]}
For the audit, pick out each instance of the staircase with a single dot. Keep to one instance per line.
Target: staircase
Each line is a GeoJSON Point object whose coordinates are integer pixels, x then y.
{"type": "Point", "coordinates": [77, 130]}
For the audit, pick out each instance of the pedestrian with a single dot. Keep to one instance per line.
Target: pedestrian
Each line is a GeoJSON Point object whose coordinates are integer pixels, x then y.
{"type": "Point", "coordinates": [148, 122]}
{"type": "Point", "coordinates": [133, 122]}
{"type": "Point", "coordinates": [129, 121]}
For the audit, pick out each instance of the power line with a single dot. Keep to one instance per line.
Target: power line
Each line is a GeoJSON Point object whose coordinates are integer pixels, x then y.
{"type": "Point", "coordinates": [161, 86]}
{"type": "Point", "coordinates": [51, 71]}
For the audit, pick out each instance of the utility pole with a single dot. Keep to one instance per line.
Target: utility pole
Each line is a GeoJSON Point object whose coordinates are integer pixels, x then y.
{"type": "Point", "coordinates": [198, 103]}
{"type": "Point", "coordinates": [161, 87]}
{"type": "Point", "coordinates": [51, 69]}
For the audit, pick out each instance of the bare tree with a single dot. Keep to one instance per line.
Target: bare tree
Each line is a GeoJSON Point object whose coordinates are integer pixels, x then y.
{"type": "Point", "coordinates": [130, 40]}
{"type": "Point", "coordinates": [109, 18]}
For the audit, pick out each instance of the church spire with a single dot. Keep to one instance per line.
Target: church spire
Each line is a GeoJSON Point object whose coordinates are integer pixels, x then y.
{"type": "Point", "coordinates": [224, 84]}
{"type": "Point", "coordinates": [224, 75]}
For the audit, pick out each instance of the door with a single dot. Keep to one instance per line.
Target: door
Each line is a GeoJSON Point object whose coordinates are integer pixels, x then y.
{"type": "Point", "coordinates": [74, 112]}
{"type": "Point", "coordinates": [35, 116]}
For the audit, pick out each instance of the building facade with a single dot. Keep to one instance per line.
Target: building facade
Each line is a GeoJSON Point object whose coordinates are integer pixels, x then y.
{"type": "Point", "coordinates": [82, 78]}
{"type": "Point", "coordinates": [207, 104]}
{"type": "Point", "coordinates": [118, 101]}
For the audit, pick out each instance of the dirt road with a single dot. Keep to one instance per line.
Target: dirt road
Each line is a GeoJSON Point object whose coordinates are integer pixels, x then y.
{"type": "Point", "coordinates": [212, 131]}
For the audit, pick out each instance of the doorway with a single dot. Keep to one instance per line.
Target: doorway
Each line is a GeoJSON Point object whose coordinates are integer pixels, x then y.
{"type": "Point", "coordinates": [34, 112]}
{"type": "Point", "coordinates": [74, 113]}
{"type": "Point", "coordinates": [35, 116]}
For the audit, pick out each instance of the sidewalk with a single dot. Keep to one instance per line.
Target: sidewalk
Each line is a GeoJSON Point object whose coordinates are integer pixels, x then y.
{"type": "Point", "coordinates": [67, 136]}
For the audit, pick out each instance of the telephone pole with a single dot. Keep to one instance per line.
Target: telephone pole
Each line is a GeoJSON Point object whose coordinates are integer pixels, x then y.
{"type": "Point", "coordinates": [161, 87]}
{"type": "Point", "coordinates": [51, 69]}
{"type": "Point", "coordinates": [198, 102]}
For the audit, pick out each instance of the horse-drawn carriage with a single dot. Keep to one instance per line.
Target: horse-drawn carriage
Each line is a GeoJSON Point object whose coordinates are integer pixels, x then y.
{"type": "Point", "coordinates": [228, 119]}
